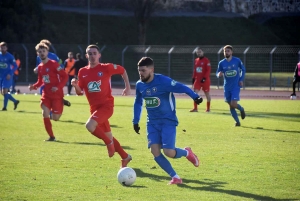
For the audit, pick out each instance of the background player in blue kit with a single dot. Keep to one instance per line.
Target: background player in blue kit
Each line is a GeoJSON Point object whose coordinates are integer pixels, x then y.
{"type": "Point", "coordinates": [6, 75]}
{"type": "Point", "coordinates": [234, 73]}
{"type": "Point", "coordinates": [157, 91]}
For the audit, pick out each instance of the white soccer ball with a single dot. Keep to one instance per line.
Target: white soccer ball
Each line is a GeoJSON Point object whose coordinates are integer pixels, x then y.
{"type": "Point", "coordinates": [126, 176]}
{"type": "Point", "coordinates": [293, 97]}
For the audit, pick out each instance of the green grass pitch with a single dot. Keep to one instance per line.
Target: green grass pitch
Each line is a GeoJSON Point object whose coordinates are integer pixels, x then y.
{"type": "Point", "coordinates": [258, 161]}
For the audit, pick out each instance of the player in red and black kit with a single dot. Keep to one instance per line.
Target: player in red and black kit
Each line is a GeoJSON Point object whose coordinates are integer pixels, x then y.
{"type": "Point", "coordinates": [201, 78]}
{"type": "Point", "coordinates": [54, 78]}
{"type": "Point", "coordinates": [94, 80]}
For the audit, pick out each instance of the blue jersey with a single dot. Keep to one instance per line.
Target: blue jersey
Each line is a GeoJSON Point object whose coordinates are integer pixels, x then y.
{"type": "Point", "coordinates": [6, 61]}
{"type": "Point", "coordinates": [51, 56]}
{"type": "Point", "coordinates": [159, 99]}
{"type": "Point", "coordinates": [233, 72]}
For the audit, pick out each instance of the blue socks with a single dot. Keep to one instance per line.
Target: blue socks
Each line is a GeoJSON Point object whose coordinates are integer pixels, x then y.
{"type": "Point", "coordinates": [180, 153]}
{"type": "Point", "coordinates": [5, 100]}
{"type": "Point", "coordinates": [165, 165]}
{"type": "Point", "coordinates": [234, 115]}
{"type": "Point", "coordinates": [240, 108]}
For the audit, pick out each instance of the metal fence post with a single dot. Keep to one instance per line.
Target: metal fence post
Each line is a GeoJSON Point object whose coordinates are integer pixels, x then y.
{"type": "Point", "coordinates": [101, 50]}
{"type": "Point", "coordinates": [26, 60]}
{"type": "Point", "coordinates": [80, 49]}
{"type": "Point", "coordinates": [169, 61]}
{"type": "Point", "coordinates": [271, 65]}
{"type": "Point", "coordinates": [219, 52]}
{"type": "Point", "coordinates": [123, 52]}
{"type": "Point", "coordinates": [245, 52]}
{"type": "Point", "coordinates": [147, 50]}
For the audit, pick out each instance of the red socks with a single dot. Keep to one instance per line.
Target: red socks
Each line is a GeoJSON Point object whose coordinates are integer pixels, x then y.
{"type": "Point", "coordinates": [101, 135]}
{"type": "Point", "coordinates": [48, 126]}
{"type": "Point", "coordinates": [119, 149]}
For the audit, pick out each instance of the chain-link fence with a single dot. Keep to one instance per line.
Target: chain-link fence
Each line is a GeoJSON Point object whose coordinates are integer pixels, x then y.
{"type": "Point", "coordinates": [266, 66]}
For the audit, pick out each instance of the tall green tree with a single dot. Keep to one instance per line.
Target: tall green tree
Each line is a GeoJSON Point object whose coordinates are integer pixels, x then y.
{"type": "Point", "coordinates": [20, 20]}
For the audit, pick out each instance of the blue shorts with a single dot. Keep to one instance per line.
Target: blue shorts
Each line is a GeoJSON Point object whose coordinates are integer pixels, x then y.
{"type": "Point", "coordinates": [233, 95]}
{"type": "Point", "coordinates": [162, 134]}
{"type": "Point", "coordinates": [5, 84]}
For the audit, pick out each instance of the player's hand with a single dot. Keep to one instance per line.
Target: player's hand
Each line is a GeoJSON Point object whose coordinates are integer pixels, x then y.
{"type": "Point", "coordinates": [241, 83]}
{"type": "Point", "coordinates": [8, 76]}
{"type": "Point", "coordinates": [198, 100]}
{"type": "Point", "coordinates": [220, 74]}
{"type": "Point", "coordinates": [35, 70]}
{"type": "Point", "coordinates": [74, 82]}
{"type": "Point", "coordinates": [126, 92]}
{"type": "Point", "coordinates": [54, 89]}
{"type": "Point", "coordinates": [203, 80]}
{"type": "Point", "coordinates": [193, 80]}
{"type": "Point", "coordinates": [136, 128]}
{"type": "Point", "coordinates": [30, 87]}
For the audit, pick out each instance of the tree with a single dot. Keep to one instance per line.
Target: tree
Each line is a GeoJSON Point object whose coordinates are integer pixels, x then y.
{"type": "Point", "coordinates": [21, 20]}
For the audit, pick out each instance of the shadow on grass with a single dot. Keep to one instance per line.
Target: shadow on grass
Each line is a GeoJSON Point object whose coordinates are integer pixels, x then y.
{"type": "Point", "coordinates": [90, 144]}
{"type": "Point", "coordinates": [23, 111]}
{"type": "Point", "coordinates": [83, 123]}
{"type": "Point", "coordinates": [207, 185]}
{"type": "Point", "coordinates": [275, 130]}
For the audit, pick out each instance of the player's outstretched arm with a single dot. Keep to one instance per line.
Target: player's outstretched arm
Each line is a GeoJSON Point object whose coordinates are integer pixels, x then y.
{"type": "Point", "coordinates": [127, 90]}
{"type": "Point", "coordinates": [137, 110]}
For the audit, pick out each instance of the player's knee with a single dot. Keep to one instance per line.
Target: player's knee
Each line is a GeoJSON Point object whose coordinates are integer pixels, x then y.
{"type": "Point", "coordinates": [170, 153]}
{"type": "Point", "coordinates": [90, 127]}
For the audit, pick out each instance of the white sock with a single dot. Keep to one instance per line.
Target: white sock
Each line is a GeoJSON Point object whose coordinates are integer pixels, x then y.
{"type": "Point", "coordinates": [176, 176]}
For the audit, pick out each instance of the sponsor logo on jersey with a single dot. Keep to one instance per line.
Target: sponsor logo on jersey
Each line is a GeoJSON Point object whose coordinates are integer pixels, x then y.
{"type": "Point", "coordinates": [173, 82]}
{"type": "Point", "coordinates": [3, 65]}
{"type": "Point", "coordinates": [231, 73]}
{"type": "Point", "coordinates": [152, 102]}
{"type": "Point", "coordinates": [199, 69]}
{"type": "Point", "coordinates": [94, 86]}
{"type": "Point", "coordinates": [100, 74]}
{"type": "Point", "coordinates": [46, 79]}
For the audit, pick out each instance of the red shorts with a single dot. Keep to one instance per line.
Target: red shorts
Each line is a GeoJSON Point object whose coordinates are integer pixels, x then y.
{"type": "Point", "coordinates": [101, 116]}
{"type": "Point", "coordinates": [204, 86]}
{"type": "Point", "coordinates": [55, 105]}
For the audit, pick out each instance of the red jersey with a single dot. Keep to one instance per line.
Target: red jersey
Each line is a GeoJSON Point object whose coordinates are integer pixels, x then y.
{"type": "Point", "coordinates": [201, 69]}
{"type": "Point", "coordinates": [51, 75]}
{"type": "Point", "coordinates": [96, 83]}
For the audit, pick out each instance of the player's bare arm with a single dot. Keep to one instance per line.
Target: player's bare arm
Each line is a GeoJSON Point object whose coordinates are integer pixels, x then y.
{"type": "Point", "coordinates": [241, 83]}
{"type": "Point", "coordinates": [35, 70]}
{"type": "Point", "coordinates": [31, 87]}
{"type": "Point", "coordinates": [127, 90]}
{"type": "Point", "coordinates": [74, 83]}
{"type": "Point", "coordinates": [8, 77]}
{"type": "Point", "coordinates": [220, 74]}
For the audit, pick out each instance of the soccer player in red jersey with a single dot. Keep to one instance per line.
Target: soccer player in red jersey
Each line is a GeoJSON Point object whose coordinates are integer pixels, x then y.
{"type": "Point", "coordinates": [94, 80]}
{"type": "Point", "coordinates": [54, 78]}
{"type": "Point", "coordinates": [201, 78]}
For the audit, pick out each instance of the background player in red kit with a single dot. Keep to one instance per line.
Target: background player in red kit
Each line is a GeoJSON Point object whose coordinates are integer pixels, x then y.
{"type": "Point", "coordinates": [54, 78]}
{"type": "Point", "coordinates": [94, 79]}
{"type": "Point", "coordinates": [201, 78]}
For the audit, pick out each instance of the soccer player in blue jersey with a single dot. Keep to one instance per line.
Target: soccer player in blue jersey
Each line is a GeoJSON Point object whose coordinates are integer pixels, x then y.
{"type": "Point", "coordinates": [233, 70]}
{"type": "Point", "coordinates": [6, 75]}
{"type": "Point", "coordinates": [157, 91]}
{"type": "Point", "coordinates": [51, 56]}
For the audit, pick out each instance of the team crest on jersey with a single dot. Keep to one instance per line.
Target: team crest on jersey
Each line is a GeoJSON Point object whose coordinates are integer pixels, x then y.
{"type": "Point", "coordinates": [199, 69]}
{"type": "Point", "coordinates": [231, 73]}
{"type": "Point", "coordinates": [94, 86]}
{"type": "Point", "coordinates": [148, 92]}
{"type": "Point", "coordinates": [46, 79]}
{"type": "Point", "coordinates": [229, 67]}
{"type": "Point", "coordinates": [100, 74]}
{"type": "Point", "coordinates": [173, 82]}
{"type": "Point", "coordinates": [47, 70]}
{"type": "Point", "coordinates": [154, 89]}
{"type": "Point", "coordinates": [152, 102]}
{"type": "Point", "coordinates": [201, 63]}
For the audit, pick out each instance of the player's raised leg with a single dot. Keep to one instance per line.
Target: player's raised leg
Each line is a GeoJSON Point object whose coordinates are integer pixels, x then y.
{"type": "Point", "coordinates": [93, 127]}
